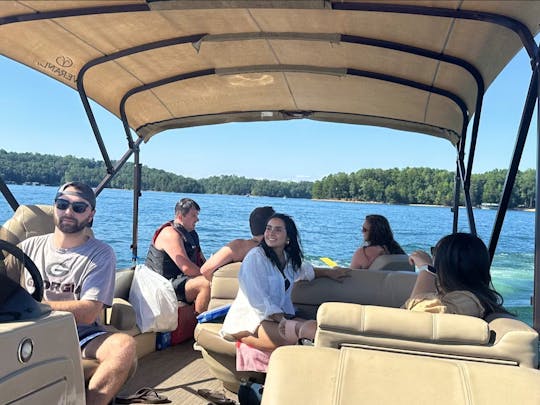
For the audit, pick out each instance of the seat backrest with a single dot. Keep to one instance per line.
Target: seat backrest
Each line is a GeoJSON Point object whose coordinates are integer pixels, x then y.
{"type": "Point", "coordinates": [392, 262]}
{"type": "Point", "coordinates": [503, 340]}
{"type": "Point", "coordinates": [304, 375]}
{"type": "Point", "coordinates": [122, 284]}
{"type": "Point", "coordinates": [224, 285]}
{"type": "Point", "coordinates": [385, 288]}
{"type": "Point", "coordinates": [28, 221]}
{"type": "Point", "coordinates": [373, 287]}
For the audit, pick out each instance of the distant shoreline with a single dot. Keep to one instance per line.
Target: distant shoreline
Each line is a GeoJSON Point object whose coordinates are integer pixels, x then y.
{"type": "Point", "coordinates": [411, 205]}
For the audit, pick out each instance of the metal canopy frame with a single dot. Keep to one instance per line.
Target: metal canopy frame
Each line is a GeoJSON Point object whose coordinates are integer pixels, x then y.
{"type": "Point", "coordinates": [463, 173]}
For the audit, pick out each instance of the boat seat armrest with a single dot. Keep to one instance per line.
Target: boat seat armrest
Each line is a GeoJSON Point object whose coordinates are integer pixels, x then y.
{"type": "Point", "coordinates": [207, 336]}
{"type": "Point", "coordinates": [121, 315]}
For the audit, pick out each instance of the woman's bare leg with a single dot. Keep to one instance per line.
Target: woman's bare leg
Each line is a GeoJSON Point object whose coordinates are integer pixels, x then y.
{"type": "Point", "coordinates": [266, 337]}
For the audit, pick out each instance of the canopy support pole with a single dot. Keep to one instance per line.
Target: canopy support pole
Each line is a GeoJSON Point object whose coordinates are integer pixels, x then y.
{"type": "Point", "coordinates": [524, 124]}
{"type": "Point", "coordinates": [455, 207]}
{"type": "Point", "coordinates": [536, 287]}
{"type": "Point", "coordinates": [8, 195]}
{"type": "Point", "coordinates": [137, 168]}
{"type": "Point", "coordinates": [467, 194]}
{"type": "Point", "coordinates": [119, 164]}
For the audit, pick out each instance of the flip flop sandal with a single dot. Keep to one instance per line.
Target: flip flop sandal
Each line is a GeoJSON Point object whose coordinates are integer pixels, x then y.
{"type": "Point", "coordinates": [216, 397]}
{"type": "Point", "coordinates": [145, 395]}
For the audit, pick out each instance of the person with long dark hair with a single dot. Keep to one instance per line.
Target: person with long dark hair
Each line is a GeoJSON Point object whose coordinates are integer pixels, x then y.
{"type": "Point", "coordinates": [456, 279]}
{"type": "Point", "coordinates": [378, 240]}
{"type": "Point", "coordinates": [262, 315]}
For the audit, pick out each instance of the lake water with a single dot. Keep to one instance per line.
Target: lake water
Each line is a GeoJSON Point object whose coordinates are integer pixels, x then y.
{"type": "Point", "coordinates": [327, 228]}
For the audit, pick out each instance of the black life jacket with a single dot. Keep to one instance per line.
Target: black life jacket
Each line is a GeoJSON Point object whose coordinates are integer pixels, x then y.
{"type": "Point", "coordinates": [159, 261]}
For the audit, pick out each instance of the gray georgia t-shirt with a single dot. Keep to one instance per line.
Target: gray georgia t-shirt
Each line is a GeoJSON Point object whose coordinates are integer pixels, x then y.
{"type": "Point", "coordinates": [86, 272]}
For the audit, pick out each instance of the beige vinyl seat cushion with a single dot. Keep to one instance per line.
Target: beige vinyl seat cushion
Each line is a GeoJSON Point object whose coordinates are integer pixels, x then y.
{"type": "Point", "coordinates": [392, 262]}
{"type": "Point", "coordinates": [389, 288]}
{"type": "Point", "coordinates": [28, 221]}
{"type": "Point", "coordinates": [303, 375]}
{"type": "Point", "coordinates": [502, 340]}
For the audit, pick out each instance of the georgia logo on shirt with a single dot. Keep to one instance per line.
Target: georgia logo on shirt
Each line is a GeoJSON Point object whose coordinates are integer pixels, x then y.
{"type": "Point", "coordinates": [57, 270]}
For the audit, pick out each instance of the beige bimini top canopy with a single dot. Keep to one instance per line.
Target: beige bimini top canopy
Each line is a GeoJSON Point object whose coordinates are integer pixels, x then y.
{"type": "Point", "coordinates": [412, 65]}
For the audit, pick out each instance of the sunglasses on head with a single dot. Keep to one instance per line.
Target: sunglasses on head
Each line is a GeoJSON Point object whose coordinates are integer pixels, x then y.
{"type": "Point", "coordinates": [78, 206]}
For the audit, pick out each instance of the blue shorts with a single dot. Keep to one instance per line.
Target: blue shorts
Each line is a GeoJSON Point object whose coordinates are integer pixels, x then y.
{"type": "Point", "coordinates": [88, 332]}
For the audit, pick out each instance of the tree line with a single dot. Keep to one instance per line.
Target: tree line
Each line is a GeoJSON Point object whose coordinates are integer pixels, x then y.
{"type": "Point", "coordinates": [21, 168]}
{"type": "Point", "coordinates": [422, 185]}
{"type": "Point", "coordinates": [394, 186]}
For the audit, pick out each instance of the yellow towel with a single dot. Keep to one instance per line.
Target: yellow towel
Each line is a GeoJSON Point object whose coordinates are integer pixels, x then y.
{"type": "Point", "coordinates": [328, 261]}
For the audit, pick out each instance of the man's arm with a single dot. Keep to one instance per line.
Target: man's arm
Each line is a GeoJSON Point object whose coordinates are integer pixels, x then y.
{"type": "Point", "coordinates": [84, 311]}
{"type": "Point", "coordinates": [171, 242]}
{"type": "Point", "coordinates": [234, 251]}
{"type": "Point", "coordinates": [222, 257]}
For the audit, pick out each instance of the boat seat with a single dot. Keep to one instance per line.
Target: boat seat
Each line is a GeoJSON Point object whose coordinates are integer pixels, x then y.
{"type": "Point", "coordinates": [35, 220]}
{"type": "Point", "coordinates": [304, 375]}
{"type": "Point", "coordinates": [392, 262]}
{"type": "Point", "coordinates": [388, 288]}
{"type": "Point", "coordinates": [502, 340]}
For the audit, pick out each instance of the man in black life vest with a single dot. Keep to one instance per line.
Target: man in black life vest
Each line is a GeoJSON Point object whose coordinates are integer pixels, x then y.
{"type": "Point", "coordinates": [175, 253]}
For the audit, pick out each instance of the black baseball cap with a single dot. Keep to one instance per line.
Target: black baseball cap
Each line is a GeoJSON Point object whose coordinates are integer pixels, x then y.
{"type": "Point", "coordinates": [83, 191]}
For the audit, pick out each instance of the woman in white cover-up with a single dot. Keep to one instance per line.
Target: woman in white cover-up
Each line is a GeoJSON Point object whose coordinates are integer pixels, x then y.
{"type": "Point", "coordinates": [262, 315]}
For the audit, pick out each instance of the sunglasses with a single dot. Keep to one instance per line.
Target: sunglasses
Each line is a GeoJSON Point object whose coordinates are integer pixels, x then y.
{"type": "Point", "coordinates": [433, 251]}
{"type": "Point", "coordinates": [78, 206]}
{"type": "Point", "coordinates": [364, 230]}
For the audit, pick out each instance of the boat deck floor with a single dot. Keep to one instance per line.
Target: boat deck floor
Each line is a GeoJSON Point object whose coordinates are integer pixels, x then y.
{"type": "Point", "coordinates": [176, 372]}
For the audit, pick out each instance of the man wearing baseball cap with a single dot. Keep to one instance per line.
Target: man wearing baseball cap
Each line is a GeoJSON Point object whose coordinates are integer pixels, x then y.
{"type": "Point", "coordinates": [78, 274]}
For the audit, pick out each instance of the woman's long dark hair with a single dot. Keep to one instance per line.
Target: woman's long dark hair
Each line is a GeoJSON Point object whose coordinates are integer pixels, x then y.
{"type": "Point", "coordinates": [380, 234]}
{"type": "Point", "coordinates": [293, 248]}
{"type": "Point", "coordinates": [462, 262]}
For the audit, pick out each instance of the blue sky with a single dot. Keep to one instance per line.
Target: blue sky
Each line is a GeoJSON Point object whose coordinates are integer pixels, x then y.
{"type": "Point", "coordinates": [41, 115]}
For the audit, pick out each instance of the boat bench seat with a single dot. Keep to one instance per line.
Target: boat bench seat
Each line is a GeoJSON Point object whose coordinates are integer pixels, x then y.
{"type": "Point", "coordinates": [304, 375]}
{"type": "Point", "coordinates": [502, 340]}
{"type": "Point", "coordinates": [386, 288]}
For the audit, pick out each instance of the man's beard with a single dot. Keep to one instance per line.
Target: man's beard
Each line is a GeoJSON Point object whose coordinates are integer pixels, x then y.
{"type": "Point", "coordinates": [73, 226]}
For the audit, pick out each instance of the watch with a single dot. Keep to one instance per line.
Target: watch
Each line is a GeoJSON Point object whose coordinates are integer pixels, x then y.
{"type": "Point", "coordinates": [429, 268]}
